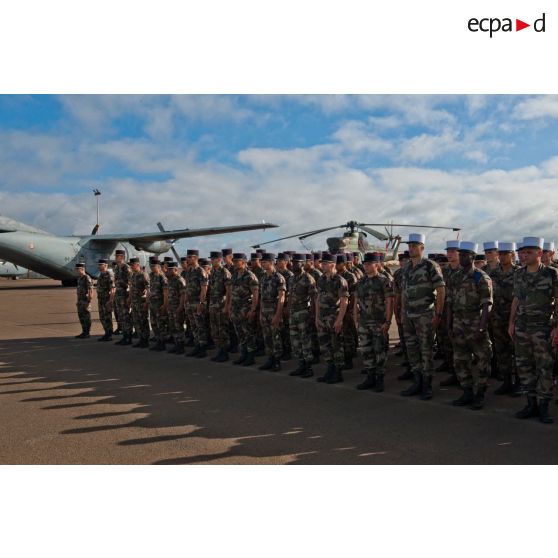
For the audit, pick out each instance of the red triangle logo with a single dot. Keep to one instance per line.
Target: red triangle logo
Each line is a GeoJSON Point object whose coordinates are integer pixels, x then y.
{"type": "Point", "coordinates": [519, 25]}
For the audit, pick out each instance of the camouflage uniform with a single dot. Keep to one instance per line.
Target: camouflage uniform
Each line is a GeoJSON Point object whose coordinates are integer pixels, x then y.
{"type": "Point", "coordinates": [219, 280]}
{"type": "Point", "coordinates": [302, 289]}
{"type": "Point", "coordinates": [398, 289]}
{"type": "Point", "coordinates": [535, 293]}
{"type": "Point", "coordinates": [349, 330]}
{"type": "Point", "coordinates": [176, 286]}
{"type": "Point", "coordinates": [105, 283]}
{"type": "Point", "coordinates": [285, 332]}
{"type": "Point", "coordinates": [502, 284]}
{"type": "Point", "coordinates": [84, 283]}
{"type": "Point", "coordinates": [158, 284]}
{"type": "Point", "coordinates": [122, 275]}
{"type": "Point", "coordinates": [468, 292]}
{"type": "Point", "coordinates": [196, 278]}
{"type": "Point", "coordinates": [242, 284]}
{"type": "Point", "coordinates": [419, 285]}
{"type": "Point", "coordinates": [373, 293]}
{"type": "Point", "coordinates": [185, 317]}
{"type": "Point", "coordinates": [139, 285]}
{"type": "Point", "coordinates": [330, 291]}
{"type": "Point", "coordinates": [270, 287]}
{"type": "Point", "coordinates": [259, 272]}
{"type": "Point", "coordinates": [442, 333]}
{"type": "Point", "coordinates": [316, 274]}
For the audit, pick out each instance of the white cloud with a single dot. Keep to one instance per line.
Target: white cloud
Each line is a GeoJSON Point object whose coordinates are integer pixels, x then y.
{"type": "Point", "coordinates": [544, 106]}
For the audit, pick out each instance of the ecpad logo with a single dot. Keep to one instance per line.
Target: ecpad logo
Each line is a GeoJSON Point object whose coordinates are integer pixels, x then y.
{"type": "Point", "coordinates": [492, 25]}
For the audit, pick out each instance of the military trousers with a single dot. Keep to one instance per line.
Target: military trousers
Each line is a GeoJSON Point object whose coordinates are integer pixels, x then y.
{"type": "Point", "coordinates": [84, 314]}
{"type": "Point", "coordinates": [176, 323]}
{"type": "Point", "coordinates": [220, 325]}
{"type": "Point", "coordinates": [198, 323]}
{"type": "Point", "coordinates": [245, 329]}
{"type": "Point", "coordinates": [105, 315]}
{"type": "Point", "coordinates": [302, 333]}
{"type": "Point", "coordinates": [419, 340]}
{"type": "Point", "coordinates": [373, 346]}
{"type": "Point", "coordinates": [156, 318]}
{"type": "Point", "coordinates": [121, 300]}
{"type": "Point", "coordinates": [534, 360]}
{"type": "Point", "coordinates": [272, 336]}
{"type": "Point", "coordinates": [472, 351]}
{"type": "Point", "coordinates": [140, 319]}
{"type": "Point", "coordinates": [331, 343]}
{"type": "Point", "coordinates": [503, 344]}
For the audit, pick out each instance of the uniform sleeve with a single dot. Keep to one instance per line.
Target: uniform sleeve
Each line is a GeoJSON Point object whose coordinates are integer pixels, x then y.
{"type": "Point", "coordinates": [516, 287]}
{"type": "Point", "coordinates": [89, 282]}
{"type": "Point", "coordinates": [165, 282]}
{"type": "Point", "coordinates": [388, 289]}
{"type": "Point", "coordinates": [182, 285]}
{"type": "Point", "coordinates": [203, 277]}
{"type": "Point", "coordinates": [282, 286]}
{"type": "Point", "coordinates": [485, 288]}
{"type": "Point", "coordinates": [436, 276]}
{"type": "Point", "coordinates": [343, 288]}
{"type": "Point", "coordinates": [253, 281]}
{"type": "Point", "coordinates": [146, 280]}
{"type": "Point", "coordinates": [227, 277]}
{"type": "Point", "coordinates": [312, 288]}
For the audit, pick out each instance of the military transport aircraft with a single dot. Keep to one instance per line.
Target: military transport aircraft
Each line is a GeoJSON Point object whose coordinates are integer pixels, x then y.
{"type": "Point", "coordinates": [10, 271]}
{"type": "Point", "coordinates": [56, 256]}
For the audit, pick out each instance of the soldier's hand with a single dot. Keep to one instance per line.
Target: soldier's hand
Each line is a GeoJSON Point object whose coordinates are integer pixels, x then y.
{"type": "Point", "coordinates": [385, 328]}
{"type": "Point", "coordinates": [200, 309]}
{"type": "Point", "coordinates": [511, 330]}
{"type": "Point", "coordinates": [276, 322]}
{"type": "Point", "coordinates": [338, 326]}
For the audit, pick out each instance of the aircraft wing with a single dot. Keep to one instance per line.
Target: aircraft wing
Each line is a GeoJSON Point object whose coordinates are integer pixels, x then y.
{"type": "Point", "coordinates": [179, 233]}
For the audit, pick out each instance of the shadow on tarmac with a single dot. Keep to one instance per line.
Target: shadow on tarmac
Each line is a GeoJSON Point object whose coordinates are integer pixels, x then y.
{"type": "Point", "coordinates": [244, 414]}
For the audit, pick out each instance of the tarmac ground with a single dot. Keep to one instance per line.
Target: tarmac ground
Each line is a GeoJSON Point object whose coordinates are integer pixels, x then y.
{"type": "Point", "coordinates": [70, 401]}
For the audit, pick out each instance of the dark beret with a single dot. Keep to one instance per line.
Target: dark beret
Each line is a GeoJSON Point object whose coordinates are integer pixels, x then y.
{"type": "Point", "coordinates": [327, 257]}
{"type": "Point", "coordinates": [134, 260]}
{"type": "Point", "coordinates": [215, 255]}
{"type": "Point", "coordinates": [299, 258]}
{"type": "Point", "coordinates": [193, 252]}
{"type": "Point", "coordinates": [153, 260]}
{"type": "Point", "coordinates": [103, 261]}
{"type": "Point", "coordinates": [239, 256]}
{"type": "Point", "coordinates": [203, 261]}
{"type": "Point", "coordinates": [120, 252]}
{"type": "Point", "coordinates": [283, 256]}
{"type": "Point", "coordinates": [172, 264]}
{"type": "Point", "coordinates": [255, 256]}
{"type": "Point", "coordinates": [340, 258]}
{"type": "Point", "coordinates": [371, 257]}
{"type": "Point", "coordinates": [268, 257]}
{"type": "Point", "coordinates": [226, 251]}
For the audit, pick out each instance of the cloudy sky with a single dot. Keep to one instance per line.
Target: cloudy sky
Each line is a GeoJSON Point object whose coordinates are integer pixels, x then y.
{"type": "Point", "coordinates": [486, 163]}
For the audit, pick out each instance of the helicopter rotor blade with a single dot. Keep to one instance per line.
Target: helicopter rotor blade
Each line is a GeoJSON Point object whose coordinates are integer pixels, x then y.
{"type": "Point", "coordinates": [300, 236]}
{"type": "Point", "coordinates": [414, 226]}
{"type": "Point", "coordinates": [379, 235]}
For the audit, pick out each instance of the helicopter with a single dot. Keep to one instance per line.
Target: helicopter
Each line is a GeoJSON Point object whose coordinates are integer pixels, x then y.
{"type": "Point", "coordinates": [355, 238]}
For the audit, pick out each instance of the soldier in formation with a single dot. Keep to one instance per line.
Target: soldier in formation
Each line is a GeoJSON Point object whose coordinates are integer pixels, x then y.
{"type": "Point", "coordinates": [494, 305]}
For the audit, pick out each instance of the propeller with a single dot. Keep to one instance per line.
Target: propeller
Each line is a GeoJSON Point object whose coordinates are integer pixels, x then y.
{"type": "Point", "coordinates": [162, 229]}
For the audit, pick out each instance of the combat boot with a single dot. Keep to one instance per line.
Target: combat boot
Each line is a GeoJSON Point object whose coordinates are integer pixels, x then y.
{"type": "Point", "coordinates": [260, 350]}
{"type": "Point", "coordinates": [348, 363]}
{"type": "Point", "coordinates": [179, 349]}
{"type": "Point", "coordinates": [450, 381]}
{"type": "Point", "coordinates": [506, 387]}
{"type": "Point", "coordinates": [103, 338]}
{"type": "Point", "coordinates": [379, 387]}
{"type": "Point", "coordinates": [217, 356]}
{"type": "Point", "coordinates": [308, 372]}
{"type": "Point", "coordinates": [517, 390]}
{"type": "Point", "coordinates": [127, 340]}
{"type": "Point", "coordinates": [300, 370]}
{"type": "Point", "coordinates": [415, 388]}
{"type": "Point", "coordinates": [202, 353]}
{"type": "Point", "coordinates": [267, 364]}
{"type": "Point", "coordinates": [369, 382]}
{"type": "Point", "coordinates": [173, 348]}
{"type": "Point", "coordinates": [467, 397]}
{"type": "Point", "coordinates": [544, 417]}
{"type": "Point", "coordinates": [442, 367]}
{"type": "Point", "coordinates": [407, 375]}
{"type": "Point", "coordinates": [189, 342]}
{"type": "Point", "coordinates": [242, 357]}
{"type": "Point", "coordinates": [194, 352]}
{"type": "Point", "coordinates": [233, 349]}
{"type": "Point", "coordinates": [276, 366]}
{"type": "Point", "coordinates": [316, 359]}
{"type": "Point", "coordinates": [80, 336]}
{"type": "Point", "coordinates": [286, 355]}
{"type": "Point", "coordinates": [223, 357]}
{"type": "Point", "coordinates": [426, 392]}
{"type": "Point", "coordinates": [336, 375]}
{"type": "Point", "coordinates": [138, 344]}
{"type": "Point", "coordinates": [108, 337]}
{"type": "Point", "coordinates": [478, 399]}
{"type": "Point", "coordinates": [249, 360]}
{"type": "Point", "coordinates": [530, 410]}
{"type": "Point", "coordinates": [329, 372]}
{"type": "Point", "coordinates": [117, 331]}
